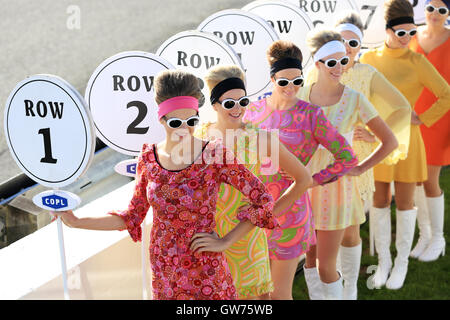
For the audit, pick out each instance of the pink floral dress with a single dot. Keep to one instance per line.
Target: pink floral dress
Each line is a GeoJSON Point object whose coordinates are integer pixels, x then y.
{"type": "Point", "coordinates": [184, 203]}
{"type": "Point", "coordinates": [302, 129]}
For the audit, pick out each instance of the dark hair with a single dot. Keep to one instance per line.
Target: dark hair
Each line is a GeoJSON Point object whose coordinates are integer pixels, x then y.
{"type": "Point", "coordinates": [394, 9]}
{"type": "Point", "coordinates": [174, 83]}
{"type": "Point", "coordinates": [281, 49]}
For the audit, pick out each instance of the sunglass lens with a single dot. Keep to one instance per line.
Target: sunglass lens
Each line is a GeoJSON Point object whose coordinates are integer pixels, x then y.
{"type": "Point", "coordinates": [331, 63]}
{"type": "Point", "coordinates": [174, 123]}
{"type": "Point", "coordinates": [283, 83]}
{"type": "Point", "coordinates": [192, 122]}
{"type": "Point", "coordinates": [344, 61]}
{"type": "Point", "coordinates": [244, 102]}
{"type": "Point", "coordinates": [401, 33]}
{"type": "Point", "coordinates": [353, 43]}
{"type": "Point", "coordinates": [298, 82]}
{"type": "Point", "coordinates": [228, 104]}
{"type": "Point", "coordinates": [430, 8]}
{"type": "Point", "coordinates": [412, 32]}
{"type": "Point", "coordinates": [443, 11]}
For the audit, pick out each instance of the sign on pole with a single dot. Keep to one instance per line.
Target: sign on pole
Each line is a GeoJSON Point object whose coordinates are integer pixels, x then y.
{"type": "Point", "coordinates": [51, 137]}
{"type": "Point", "coordinates": [49, 131]}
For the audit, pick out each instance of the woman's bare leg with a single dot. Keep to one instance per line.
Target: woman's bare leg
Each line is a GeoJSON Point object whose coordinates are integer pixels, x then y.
{"type": "Point", "coordinates": [283, 273]}
{"type": "Point", "coordinates": [328, 243]}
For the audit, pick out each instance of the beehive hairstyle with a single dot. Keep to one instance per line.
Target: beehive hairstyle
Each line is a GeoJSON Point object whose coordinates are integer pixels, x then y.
{"type": "Point", "coordinates": [281, 49]}
{"type": "Point", "coordinates": [174, 83]}
{"type": "Point", "coordinates": [394, 9]}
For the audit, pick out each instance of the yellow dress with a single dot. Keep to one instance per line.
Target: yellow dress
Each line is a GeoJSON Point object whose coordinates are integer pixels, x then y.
{"type": "Point", "coordinates": [410, 73]}
{"type": "Point", "coordinates": [248, 258]}
{"type": "Point", "coordinates": [392, 107]}
{"type": "Point", "coordinates": [338, 205]}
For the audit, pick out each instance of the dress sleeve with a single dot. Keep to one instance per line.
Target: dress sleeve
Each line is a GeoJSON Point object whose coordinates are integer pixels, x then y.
{"type": "Point", "coordinates": [237, 175]}
{"type": "Point", "coordinates": [433, 81]}
{"type": "Point", "coordinates": [395, 110]}
{"type": "Point", "coordinates": [328, 136]}
{"type": "Point", "coordinates": [139, 205]}
{"type": "Point", "coordinates": [366, 110]}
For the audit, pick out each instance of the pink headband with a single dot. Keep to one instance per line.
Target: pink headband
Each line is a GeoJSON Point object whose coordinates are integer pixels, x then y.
{"type": "Point", "coordinates": [175, 103]}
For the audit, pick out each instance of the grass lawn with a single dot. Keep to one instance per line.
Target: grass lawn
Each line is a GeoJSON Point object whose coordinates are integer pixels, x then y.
{"type": "Point", "coordinates": [425, 280]}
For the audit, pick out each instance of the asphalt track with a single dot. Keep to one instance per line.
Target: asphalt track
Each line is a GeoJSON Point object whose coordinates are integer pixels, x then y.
{"type": "Point", "coordinates": [71, 38]}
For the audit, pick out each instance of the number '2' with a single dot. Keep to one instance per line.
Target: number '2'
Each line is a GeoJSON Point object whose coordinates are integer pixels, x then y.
{"type": "Point", "coordinates": [142, 112]}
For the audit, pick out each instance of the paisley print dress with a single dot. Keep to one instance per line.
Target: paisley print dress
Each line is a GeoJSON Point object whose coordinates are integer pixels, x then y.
{"type": "Point", "coordinates": [302, 129]}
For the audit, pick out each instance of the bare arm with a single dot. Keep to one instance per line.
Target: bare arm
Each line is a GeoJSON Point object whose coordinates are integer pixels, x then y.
{"type": "Point", "coordinates": [108, 222]}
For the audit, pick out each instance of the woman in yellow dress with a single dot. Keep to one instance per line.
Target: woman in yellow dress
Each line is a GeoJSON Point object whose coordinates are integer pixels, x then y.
{"type": "Point", "coordinates": [392, 107]}
{"type": "Point", "coordinates": [337, 207]}
{"type": "Point", "coordinates": [409, 72]}
{"type": "Point", "coordinates": [248, 259]}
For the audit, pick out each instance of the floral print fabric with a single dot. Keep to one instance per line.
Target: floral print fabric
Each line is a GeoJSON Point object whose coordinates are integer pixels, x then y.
{"type": "Point", "coordinates": [184, 203]}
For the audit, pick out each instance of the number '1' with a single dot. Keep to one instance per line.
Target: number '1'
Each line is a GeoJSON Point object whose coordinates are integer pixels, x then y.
{"type": "Point", "coordinates": [48, 158]}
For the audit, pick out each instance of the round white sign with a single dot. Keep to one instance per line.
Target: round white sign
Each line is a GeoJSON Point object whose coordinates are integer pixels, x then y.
{"type": "Point", "coordinates": [250, 36]}
{"type": "Point", "coordinates": [289, 22]}
{"type": "Point", "coordinates": [196, 52]}
{"type": "Point", "coordinates": [324, 11]}
{"type": "Point", "coordinates": [49, 130]}
{"type": "Point", "coordinates": [120, 96]}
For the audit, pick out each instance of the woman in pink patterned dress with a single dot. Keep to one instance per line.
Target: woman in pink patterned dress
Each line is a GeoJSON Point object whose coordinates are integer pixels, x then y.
{"type": "Point", "coordinates": [180, 178]}
{"type": "Point", "coordinates": [302, 128]}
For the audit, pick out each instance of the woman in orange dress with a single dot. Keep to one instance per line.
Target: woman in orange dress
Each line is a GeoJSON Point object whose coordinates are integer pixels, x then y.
{"type": "Point", "coordinates": [433, 41]}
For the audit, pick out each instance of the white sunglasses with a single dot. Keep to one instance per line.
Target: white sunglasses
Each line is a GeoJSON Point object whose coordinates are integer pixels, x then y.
{"type": "Point", "coordinates": [283, 82]}
{"type": "Point", "coordinates": [353, 43]}
{"type": "Point", "coordinates": [176, 122]}
{"type": "Point", "coordinates": [230, 103]}
{"type": "Point", "coordinates": [442, 10]}
{"type": "Point", "coordinates": [402, 32]}
{"type": "Point", "coordinates": [331, 63]}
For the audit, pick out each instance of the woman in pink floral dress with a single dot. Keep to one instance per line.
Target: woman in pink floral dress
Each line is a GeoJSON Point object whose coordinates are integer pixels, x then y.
{"type": "Point", "coordinates": [185, 254]}
{"type": "Point", "coordinates": [303, 127]}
